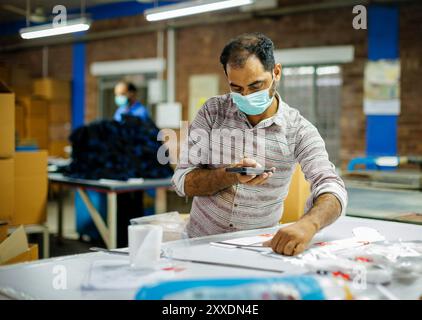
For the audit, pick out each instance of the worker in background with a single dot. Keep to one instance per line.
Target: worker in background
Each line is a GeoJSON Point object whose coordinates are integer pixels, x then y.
{"type": "Point", "coordinates": [130, 204]}
{"type": "Point", "coordinates": [225, 201]}
{"type": "Point", "coordinates": [125, 99]}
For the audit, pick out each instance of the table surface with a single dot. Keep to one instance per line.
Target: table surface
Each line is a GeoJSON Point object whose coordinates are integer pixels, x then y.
{"type": "Point", "coordinates": [35, 279]}
{"type": "Point", "coordinates": [108, 185]}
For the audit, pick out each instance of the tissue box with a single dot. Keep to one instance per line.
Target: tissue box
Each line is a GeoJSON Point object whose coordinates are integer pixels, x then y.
{"type": "Point", "coordinates": [172, 223]}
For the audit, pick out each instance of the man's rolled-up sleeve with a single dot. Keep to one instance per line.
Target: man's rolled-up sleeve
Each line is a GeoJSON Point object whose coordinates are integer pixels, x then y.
{"type": "Point", "coordinates": [199, 136]}
{"type": "Point", "coordinates": [178, 179]}
{"type": "Point", "coordinates": [311, 154]}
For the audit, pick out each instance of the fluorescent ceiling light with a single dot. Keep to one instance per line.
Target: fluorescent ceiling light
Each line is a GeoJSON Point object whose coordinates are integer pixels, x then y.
{"type": "Point", "coordinates": [47, 30]}
{"type": "Point", "coordinates": [192, 7]}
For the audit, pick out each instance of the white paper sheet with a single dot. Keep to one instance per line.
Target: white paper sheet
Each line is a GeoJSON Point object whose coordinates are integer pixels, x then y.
{"type": "Point", "coordinates": [245, 241]}
{"type": "Point", "coordinates": [118, 275]}
{"type": "Point", "coordinates": [362, 236]}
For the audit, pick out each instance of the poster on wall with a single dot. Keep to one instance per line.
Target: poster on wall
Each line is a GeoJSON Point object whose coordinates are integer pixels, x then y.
{"type": "Point", "coordinates": [201, 88]}
{"type": "Point", "coordinates": [382, 87]}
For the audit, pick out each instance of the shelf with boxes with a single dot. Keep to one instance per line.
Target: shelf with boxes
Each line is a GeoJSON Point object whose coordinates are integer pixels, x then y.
{"type": "Point", "coordinates": [43, 110]}
{"type": "Point", "coordinates": [44, 116]}
{"type": "Point", "coordinates": [23, 186]}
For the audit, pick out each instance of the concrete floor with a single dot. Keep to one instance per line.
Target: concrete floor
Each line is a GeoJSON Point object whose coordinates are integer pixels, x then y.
{"type": "Point", "coordinates": [69, 225]}
{"type": "Point", "coordinates": [71, 243]}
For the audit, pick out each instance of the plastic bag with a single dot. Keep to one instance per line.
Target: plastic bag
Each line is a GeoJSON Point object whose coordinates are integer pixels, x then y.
{"type": "Point", "coordinates": [174, 226]}
{"type": "Point", "coordinates": [274, 288]}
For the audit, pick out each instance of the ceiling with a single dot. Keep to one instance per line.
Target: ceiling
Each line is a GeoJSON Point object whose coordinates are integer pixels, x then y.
{"type": "Point", "coordinates": [46, 5]}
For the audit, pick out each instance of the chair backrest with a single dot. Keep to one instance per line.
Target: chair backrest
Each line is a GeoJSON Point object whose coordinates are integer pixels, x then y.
{"type": "Point", "coordinates": [299, 191]}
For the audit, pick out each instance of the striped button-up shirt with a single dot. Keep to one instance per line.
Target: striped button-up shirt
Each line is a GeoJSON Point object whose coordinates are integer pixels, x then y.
{"type": "Point", "coordinates": [288, 139]}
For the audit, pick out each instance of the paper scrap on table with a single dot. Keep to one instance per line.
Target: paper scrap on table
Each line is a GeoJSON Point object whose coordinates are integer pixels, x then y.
{"type": "Point", "coordinates": [367, 234]}
{"type": "Point", "coordinates": [118, 275]}
{"type": "Point", "coordinates": [245, 241]}
{"type": "Point", "coordinates": [362, 236]}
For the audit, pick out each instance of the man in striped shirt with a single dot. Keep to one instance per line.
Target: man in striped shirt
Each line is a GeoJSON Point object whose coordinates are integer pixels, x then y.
{"type": "Point", "coordinates": [277, 136]}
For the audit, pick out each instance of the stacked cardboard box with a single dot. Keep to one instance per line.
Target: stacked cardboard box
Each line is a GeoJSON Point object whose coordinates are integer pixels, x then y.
{"type": "Point", "coordinates": [19, 121]}
{"type": "Point", "coordinates": [57, 93]}
{"type": "Point", "coordinates": [43, 110]}
{"type": "Point", "coordinates": [20, 80]}
{"type": "Point", "coordinates": [34, 112]}
{"type": "Point", "coordinates": [31, 183]}
{"type": "Point", "coordinates": [7, 150]}
{"type": "Point", "coordinates": [4, 73]}
{"type": "Point", "coordinates": [15, 248]}
{"type": "Point", "coordinates": [23, 188]}
{"type": "Point", "coordinates": [23, 183]}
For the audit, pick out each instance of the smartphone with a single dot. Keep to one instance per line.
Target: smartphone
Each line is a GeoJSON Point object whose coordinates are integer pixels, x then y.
{"type": "Point", "coordinates": [248, 171]}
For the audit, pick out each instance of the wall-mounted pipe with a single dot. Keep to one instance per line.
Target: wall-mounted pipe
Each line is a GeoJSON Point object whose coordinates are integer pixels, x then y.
{"type": "Point", "coordinates": [171, 65]}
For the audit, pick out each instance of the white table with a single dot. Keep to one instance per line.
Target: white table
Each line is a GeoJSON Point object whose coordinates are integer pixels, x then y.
{"type": "Point", "coordinates": [108, 229]}
{"type": "Point", "coordinates": [35, 280]}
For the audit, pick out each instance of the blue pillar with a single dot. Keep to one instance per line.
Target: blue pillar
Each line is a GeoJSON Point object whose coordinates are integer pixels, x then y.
{"type": "Point", "coordinates": [78, 85]}
{"type": "Point", "coordinates": [383, 43]}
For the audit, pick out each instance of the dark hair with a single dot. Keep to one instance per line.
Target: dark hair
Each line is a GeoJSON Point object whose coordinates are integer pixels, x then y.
{"type": "Point", "coordinates": [239, 49]}
{"type": "Point", "coordinates": [131, 87]}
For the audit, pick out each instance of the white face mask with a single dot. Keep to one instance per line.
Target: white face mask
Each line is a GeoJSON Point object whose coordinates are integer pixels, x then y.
{"type": "Point", "coordinates": [121, 100]}
{"type": "Point", "coordinates": [254, 103]}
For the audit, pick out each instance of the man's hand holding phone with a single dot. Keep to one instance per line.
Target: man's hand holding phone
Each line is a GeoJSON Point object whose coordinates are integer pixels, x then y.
{"type": "Point", "coordinates": [249, 175]}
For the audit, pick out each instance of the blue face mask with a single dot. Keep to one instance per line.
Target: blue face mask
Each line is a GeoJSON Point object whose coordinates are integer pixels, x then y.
{"type": "Point", "coordinates": [121, 101]}
{"type": "Point", "coordinates": [254, 103]}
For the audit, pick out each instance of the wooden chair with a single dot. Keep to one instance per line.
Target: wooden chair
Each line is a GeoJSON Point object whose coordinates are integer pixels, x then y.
{"type": "Point", "coordinates": [299, 191]}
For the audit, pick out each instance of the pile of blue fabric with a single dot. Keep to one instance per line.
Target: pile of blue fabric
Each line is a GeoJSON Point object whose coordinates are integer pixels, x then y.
{"type": "Point", "coordinates": [117, 150]}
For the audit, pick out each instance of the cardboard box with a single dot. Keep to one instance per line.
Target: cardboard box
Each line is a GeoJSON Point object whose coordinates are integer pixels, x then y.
{"type": "Point", "coordinates": [36, 128]}
{"type": "Point", "coordinates": [30, 188]}
{"type": "Point", "coordinates": [31, 254]}
{"type": "Point", "coordinates": [15, 248]}
{"type": "Point", "coordinates": [52, 89]}
{"type": "Point", "coordinates": [20, 121]}
{"type": "Point", "coordinates": [33, 106]}
{"type": "Point", "coordinates": [21, 90]}
{"type": "Point", "coordinates": [20, 76]}
{"type": "Point", "coordinates": [56, 148]}
{"type": "Point", "coordinates": [7, 122]}
{"type": "Point", "coordinates": [20, 80]}
{"type": "Point", "coordinates": [4, 73]}
{"type": "Point", "coordinates": [7, 189]}
{"type": "Point", "coordinates": [3, 230]}
{"type": "Point", "coordinates": [59, 111]}
{"type": "Point", "coordinates": [59, 131]}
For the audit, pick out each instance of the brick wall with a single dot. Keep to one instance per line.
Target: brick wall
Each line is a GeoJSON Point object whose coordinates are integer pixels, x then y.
{"type": "Point", "coordinates": [129, 47]}
{"type": "Point", "coordinates": [410, 120]}
{"type": "Point", "coordinates": [198, 49]}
